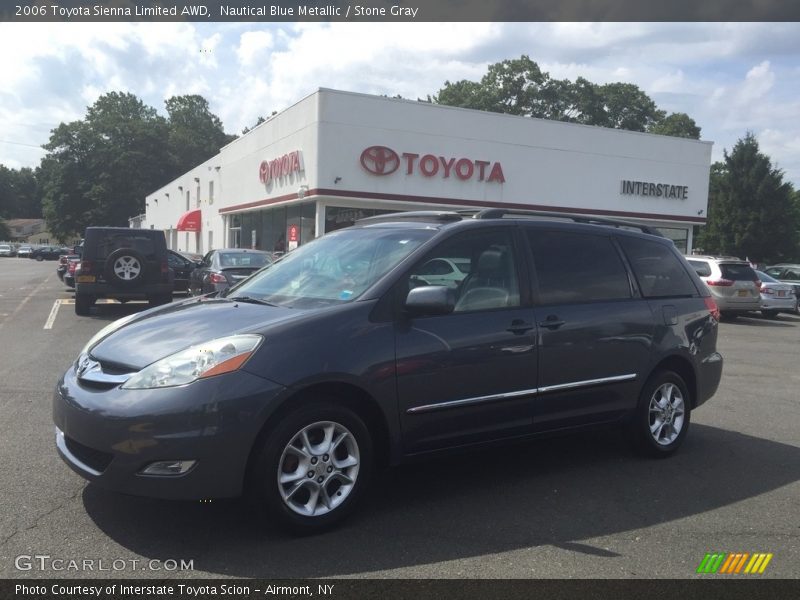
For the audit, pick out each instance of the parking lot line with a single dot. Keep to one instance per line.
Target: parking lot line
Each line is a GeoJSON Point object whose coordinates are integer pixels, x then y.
{"type": "Point", "coordinates": [24, 301]}
{"type": "Point", "coordinates": [48, 324]}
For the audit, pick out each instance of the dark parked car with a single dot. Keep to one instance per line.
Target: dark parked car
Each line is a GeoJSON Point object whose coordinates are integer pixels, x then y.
{"type": "Point", "coordinates": [221, 269]}
{"type": "Point", "coordinates": [125, 264]}
{"type": "Point", "coordinates": [182, 264]}
{"type": "Point", "coordinates": [298, 381]}
{"type": "Point", "coordinates": [46, 253]}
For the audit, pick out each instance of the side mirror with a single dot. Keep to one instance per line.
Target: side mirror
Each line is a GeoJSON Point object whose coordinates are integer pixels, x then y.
{"type": "Point", "coordinates": [431, 300]}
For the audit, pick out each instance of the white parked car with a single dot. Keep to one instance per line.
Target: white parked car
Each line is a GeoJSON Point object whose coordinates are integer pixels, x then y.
{"type": "Point", "coordinates": [6, 250]}
{"type": "Point", "coordinates": [776, 297]}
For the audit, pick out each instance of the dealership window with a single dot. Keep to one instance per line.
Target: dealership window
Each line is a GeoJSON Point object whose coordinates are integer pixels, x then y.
{"type": "Point", "coordinates": [211, 192]}
{"type": "Point", "coordinates": [679, 237]}
{"type": "Point", "coordinates": [198, 196]}
{"type": "Point", "coordinates": [188, 200]}
{"type": "Point", "coordinates": [235, 231]}
{"type": "Point", "coordinates": [339, 217]}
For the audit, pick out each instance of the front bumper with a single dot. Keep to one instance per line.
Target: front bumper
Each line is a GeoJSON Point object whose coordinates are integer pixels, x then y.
{"type": "Point", "coordinates": [108, 436]}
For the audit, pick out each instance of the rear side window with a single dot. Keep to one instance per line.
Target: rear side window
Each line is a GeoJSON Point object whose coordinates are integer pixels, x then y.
{"type": "Point", "coordinates": [577, 267]}
{"type": "Point", "coordinates": [738, 272]}
{"type": "Point", "coordinates": [703, 269]}
{"type": "Point", "coordinates": [658, 270]}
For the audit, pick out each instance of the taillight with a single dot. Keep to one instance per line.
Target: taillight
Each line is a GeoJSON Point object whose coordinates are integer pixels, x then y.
{"type": "Point", "coordinates": [720, 282]}
{"type": "Point", "coordinates": [766, 290]}
{"type": "Point", "coordinates": [217, 278]}
{"type": "Point", "coordinates": [72, 267]}
{"type": "Point", "coordinates": [86, 267]}
{"type": "Point", "coordinates": [712, 307]}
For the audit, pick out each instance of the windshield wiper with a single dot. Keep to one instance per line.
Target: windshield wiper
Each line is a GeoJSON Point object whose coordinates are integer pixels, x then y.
{"type": "Point", "coordinates": [251, 300]}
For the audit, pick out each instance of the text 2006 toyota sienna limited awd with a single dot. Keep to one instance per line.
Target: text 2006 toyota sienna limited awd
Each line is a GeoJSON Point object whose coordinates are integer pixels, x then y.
{"type": "Point", "coordinates": [358, 349]}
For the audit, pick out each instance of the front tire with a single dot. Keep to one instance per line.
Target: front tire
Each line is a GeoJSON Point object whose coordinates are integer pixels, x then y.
{"type": "Point", "coordinates": [662, 415]}
{"type": "Point", "coordinates": [313, 467]}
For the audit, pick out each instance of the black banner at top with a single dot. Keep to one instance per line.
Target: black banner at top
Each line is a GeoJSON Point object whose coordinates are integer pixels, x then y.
{"type": "Point", "coordinates": [400, 10]}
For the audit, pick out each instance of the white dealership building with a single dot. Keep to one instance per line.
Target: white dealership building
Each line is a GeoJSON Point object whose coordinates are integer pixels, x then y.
{"type": "Point", "coordinates": [335, 157]}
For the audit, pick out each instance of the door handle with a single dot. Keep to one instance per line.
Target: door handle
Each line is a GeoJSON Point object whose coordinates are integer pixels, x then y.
{"type": "Point", "coordinates": [552, 322]}
{"type": "Point", "coordinates": [518, 327]}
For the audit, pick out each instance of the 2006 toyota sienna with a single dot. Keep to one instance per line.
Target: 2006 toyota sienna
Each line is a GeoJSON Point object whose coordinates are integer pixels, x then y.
{"type": "Point", "coordinates": [297, 382]}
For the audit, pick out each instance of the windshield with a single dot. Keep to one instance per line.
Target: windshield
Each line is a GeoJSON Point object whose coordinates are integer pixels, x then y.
{"type": "Point", "coordinates": [333, 269]}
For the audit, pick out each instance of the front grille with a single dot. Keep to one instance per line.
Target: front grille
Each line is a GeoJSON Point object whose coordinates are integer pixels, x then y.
{"type": "Point", "coordinates": [95, 459]}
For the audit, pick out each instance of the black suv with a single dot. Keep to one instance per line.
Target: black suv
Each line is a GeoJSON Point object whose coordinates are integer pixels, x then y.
{"type": "Point", "coordinates": [404, 335]}
{"type": "Point", "coordinates": [125, 264]}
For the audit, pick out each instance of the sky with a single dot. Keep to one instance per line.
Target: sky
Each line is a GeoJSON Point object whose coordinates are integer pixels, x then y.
{"type": "Point", "coordinates": [730, 77]}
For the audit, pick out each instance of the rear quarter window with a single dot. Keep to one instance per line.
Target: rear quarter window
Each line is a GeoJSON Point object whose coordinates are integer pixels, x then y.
{"type": "Point", "coordinates": [703, 269]}
{"type": "Point", "coordinates": [659, 272]}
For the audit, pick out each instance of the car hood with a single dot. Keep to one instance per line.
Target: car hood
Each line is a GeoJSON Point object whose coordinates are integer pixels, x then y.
{"type": "Point", "coordinates": [161, 332]}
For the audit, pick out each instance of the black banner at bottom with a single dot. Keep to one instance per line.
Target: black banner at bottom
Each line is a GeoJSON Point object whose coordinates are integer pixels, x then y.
{"type": "Point", "coordinates": [390, 589]}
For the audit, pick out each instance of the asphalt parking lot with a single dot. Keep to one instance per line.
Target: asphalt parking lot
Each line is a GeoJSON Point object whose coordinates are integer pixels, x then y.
{"type": "Point", "coordinates": [582, 506]}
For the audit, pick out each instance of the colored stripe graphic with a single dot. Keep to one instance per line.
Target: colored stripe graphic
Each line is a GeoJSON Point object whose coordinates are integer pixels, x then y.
{"type": "Point", "coordinates": [711, 562]}
{"type": "Point", "coordinates": [733, 563]}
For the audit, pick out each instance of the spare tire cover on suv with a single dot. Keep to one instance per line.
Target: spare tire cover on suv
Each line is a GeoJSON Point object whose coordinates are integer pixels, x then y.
{"type": "Point", "coordinates": [125, 267]}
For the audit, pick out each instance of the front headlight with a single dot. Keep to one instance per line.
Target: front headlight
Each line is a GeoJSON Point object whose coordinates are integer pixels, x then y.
{"type": "Point", "coordinates": [216, 357]}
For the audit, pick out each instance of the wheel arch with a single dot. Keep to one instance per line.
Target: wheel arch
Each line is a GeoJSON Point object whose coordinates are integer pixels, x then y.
{"type": "Point", "coordinates": [683, 367]}
{"type": "Point", "coordinates": [345, 394]}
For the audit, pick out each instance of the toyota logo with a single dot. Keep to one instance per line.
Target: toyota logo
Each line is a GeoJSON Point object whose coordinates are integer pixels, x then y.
{"type": "Point", "coordinates": [380, 160]}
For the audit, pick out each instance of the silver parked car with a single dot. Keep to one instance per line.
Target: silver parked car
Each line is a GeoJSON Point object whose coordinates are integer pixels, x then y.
{"type": "Point", "coordinates": [786, 273]}
{"type": "Point", "coordinates": [6, 250]}
{"type": "Point", "coordinates": [776, 297]}
{"type": "Point", "coordinates": [732, 281]}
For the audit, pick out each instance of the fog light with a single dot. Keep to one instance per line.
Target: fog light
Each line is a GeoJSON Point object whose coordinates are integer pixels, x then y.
{"type": "Point", "coordinates": [168, 467]}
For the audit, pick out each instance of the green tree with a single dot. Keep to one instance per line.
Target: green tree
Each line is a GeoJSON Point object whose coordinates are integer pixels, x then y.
{"type": "Point", "coordinates": [520, 87]}
{"type": "Point", "coordinates": [98, 171]}
{"type": "Point", "coordinates": [628, 107]}
{"type": "Point", "coordinates": [5, 232]}
{"type": "Point", "coordinates": [195, 133]}
{"type": "Point", "coordinates": [19, 198]}
{"type": "Point", "coordinates": [750, 209]}
{"type": "Point", "coordinates": [676, 125]}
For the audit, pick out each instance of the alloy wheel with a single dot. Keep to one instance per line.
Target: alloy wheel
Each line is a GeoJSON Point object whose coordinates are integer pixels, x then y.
{"type": "Point", "coordinates": [318, 468]}
{"type": "Point", "coordinates": [666, 415]}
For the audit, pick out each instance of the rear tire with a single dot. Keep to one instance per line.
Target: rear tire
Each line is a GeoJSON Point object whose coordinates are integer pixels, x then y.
{"type": "Point", "coordinates": [770, 314]}
{"type": "Point", "coordinates": [727, 316]}
{"type": "Point", "coordinates": [323, 439]}
{"type": "Point", "coordinates": [662, 415]}
{"type": "Point", "coordinates": [83, 302]}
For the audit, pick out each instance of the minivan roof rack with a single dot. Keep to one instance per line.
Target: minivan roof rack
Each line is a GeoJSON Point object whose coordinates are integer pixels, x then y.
{"type": "Point", "coordinates": [715, 257]}
{"type": "Point", "coordinates": [414, 215]}
{"type": "Point", "coordinates": [499, 213]}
